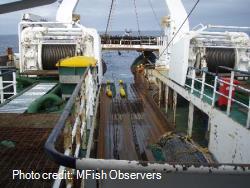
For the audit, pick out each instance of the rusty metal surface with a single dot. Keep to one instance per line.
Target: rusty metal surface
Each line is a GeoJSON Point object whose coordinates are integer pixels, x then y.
{"type": "Point", "coordinates": [104, 102]}
{"type": "Point", "coordinates": [28, 120]}
{"type": "Point", "coordinates": [27, 133]}
{"type": "Point", "coordinates": [41, 72]}
{"type": "Point", "coordinates": [133, 128]}
{"type": "Point", "coordinates": [128, 126]}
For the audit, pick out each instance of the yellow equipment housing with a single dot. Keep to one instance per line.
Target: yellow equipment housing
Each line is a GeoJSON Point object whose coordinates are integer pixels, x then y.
{"type": "Point", "coordinates": [77, 61]}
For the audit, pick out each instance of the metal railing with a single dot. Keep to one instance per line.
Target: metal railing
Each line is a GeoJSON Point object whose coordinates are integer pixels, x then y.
{"type": "Point", "coordinates": [74, 123]}
{"type": "Point", "coordinates": [217, 80]}
{"type": "Point", "coordinates": [133, 41]}
{"type": "Point", "coordinates": [7, 83]}
{"type": "Point", "coordinates": [72, 126]}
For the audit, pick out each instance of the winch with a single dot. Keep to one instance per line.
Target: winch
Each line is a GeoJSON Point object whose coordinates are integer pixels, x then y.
{"type": "Point", "coordinates": [43, 43]}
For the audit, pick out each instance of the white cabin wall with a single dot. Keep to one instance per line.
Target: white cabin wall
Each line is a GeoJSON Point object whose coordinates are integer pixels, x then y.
{"type": "Point", "coordinates": [229, 141]}
{"type": "Point", "coordinates": [179, 61]}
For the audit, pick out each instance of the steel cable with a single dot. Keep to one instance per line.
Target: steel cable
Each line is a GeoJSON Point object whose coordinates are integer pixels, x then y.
{"type": "Point", "coordinates": [137, 20]}
{"type": "Point", "coordinates": [109, 16]}
{"type": "Point", "coordinates": [154, 13]}
{"type": "Point", "coordinates": [180, 27]}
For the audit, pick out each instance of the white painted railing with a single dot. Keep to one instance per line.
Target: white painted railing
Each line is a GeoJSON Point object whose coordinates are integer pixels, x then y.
{"type": "Point", "coordinates": [72, 127]}
{"type": "Point", "coordinates": [77, 117]}
{"type": "Point", "coordinates": [144, 41]}
{"type": "Point", "coordinates": [219, 81]}
{"type": "Point", "coordinates": [7, 84]}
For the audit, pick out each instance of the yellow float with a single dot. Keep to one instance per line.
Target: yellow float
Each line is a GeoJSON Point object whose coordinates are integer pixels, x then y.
{"type": "Point", "coordinates": [108, 89]}
{"type": "Point", "coordinates": [122, 90]}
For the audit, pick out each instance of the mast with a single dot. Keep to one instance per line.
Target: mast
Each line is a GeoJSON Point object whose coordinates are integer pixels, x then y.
{"type": "Point", "coordinates": [65, 11]}
{"type": "Point", "coordinates": [177, 15]}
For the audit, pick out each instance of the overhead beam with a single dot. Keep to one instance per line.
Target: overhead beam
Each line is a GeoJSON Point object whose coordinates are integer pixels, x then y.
{"type": "Point", "coordinates": [130, 47]}
{"type": "Point", "coordinates": [23, 4]}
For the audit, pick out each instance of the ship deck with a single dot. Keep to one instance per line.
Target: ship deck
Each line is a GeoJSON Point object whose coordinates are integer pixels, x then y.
{"type": "Point", "coordinates": [237, 112]}
{"type": "Point", "coordinates": [128, 126]}
{"type": "Point", "coordinates": [132, 128]}
{"type": "Point", "coordinates": [22, 140]}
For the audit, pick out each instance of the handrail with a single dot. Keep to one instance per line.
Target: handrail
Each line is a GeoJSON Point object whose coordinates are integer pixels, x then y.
{"type": "Point", "coordinates": [227, 27]}
{"type": "Point", "coordinates": [217, 79]}
{"type": "Point", "coordinates": [58, 157]}
{"type": "Point", "coordinates": [92, 163]}
{"type": "Point", "coordinates": [4, 84]}
{"type": "Point", "coordinates": [131, 41]}
{"type": "Point", "coordinates": [7, 72]}
{"type": "Point", "coordinates": [235, 70]}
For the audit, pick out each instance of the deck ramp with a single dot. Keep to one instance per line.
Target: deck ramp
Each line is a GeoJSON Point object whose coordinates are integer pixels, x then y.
{"type": "Point", "coordinates": [21, 103]}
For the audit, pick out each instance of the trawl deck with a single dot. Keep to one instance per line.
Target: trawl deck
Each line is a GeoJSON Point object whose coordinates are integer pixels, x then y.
{"type": "Point", "coordinates": [21, 103]}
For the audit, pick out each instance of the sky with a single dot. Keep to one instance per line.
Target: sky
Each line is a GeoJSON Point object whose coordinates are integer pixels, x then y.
{"type": "Point", "coordinates": [94, 13]}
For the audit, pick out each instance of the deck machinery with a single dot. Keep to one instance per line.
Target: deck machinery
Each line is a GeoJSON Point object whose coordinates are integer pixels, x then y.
{"type": "Point", "coordinates": [195, 64]}
{"type": "Point", "coordinates": [203, 47]}
{"type": "Point", "coordinates": [42, 43]}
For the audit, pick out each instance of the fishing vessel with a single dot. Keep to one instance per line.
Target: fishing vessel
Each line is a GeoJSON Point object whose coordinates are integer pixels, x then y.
{"type": "Point", "coordinates": [185, 116]}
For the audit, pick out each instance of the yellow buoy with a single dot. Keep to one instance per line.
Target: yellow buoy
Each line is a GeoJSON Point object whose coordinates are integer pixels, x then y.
{"type": "Point", "coordinates": [77, 61]}
{"type": "Point", "coordinates": [109, 92]}
{"type": "Point", "coordinates": [108, 89]}
{"type": "Point", "coordinates": [122, 92]}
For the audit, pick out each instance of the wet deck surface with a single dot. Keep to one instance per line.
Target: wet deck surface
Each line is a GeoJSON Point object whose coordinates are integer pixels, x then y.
{"type": "Point", "coordinates": [22, 148]}
{"type": "Point", "coordinates": [136, 128]}
{"type": "Point", "coordinates": [128, 126]}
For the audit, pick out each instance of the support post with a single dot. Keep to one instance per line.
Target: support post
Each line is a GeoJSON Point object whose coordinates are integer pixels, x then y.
{"type": "Point", "coordinates": [1, 88]}
{"type": "Point", "coordinates": [190, 119]}
{"type": "Point", "coordinates": [160, 93]}
{"type": "Point", "coordinates": [215, 90]}
{"type": "Point", "coordinates": [174, 105]}
{"type": "Point", "coordinates": [207, 135]}
{"type": "Point", "coordinates": [166, 98]}
{"type": "Point", "coordinates": [202, 84]}
{"type": "Point", "coordinates": [14, 83]}
{"type": "Point", "coordinates": [193, 80]}
{"type": "Point", "coordinates": [231, 87]}
{"type": "Point", "coordinates": [248, 115]}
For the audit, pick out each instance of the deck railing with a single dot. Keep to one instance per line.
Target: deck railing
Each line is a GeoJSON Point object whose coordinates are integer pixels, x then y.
{"type": "Point", "coordinates": [7, 83]}
{"type": "Point", "coordinates": [133, 41]}
{"type": "Point", "coordinates": [217, 81]}
{"type": "Point", "coordinates": [78, 119]}
{"type": "Point", "coordinates": [74, 122]}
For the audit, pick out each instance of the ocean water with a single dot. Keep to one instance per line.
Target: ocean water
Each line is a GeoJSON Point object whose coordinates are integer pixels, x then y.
{"type": "Point", "coordinates": [118, 66]}
{"type": "Point", "coordinates": [8, 41]}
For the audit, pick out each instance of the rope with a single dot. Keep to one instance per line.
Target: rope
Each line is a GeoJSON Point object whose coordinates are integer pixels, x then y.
{"type": "Point", "coordinates": [180, 27]}
{"type": "Point", "coordinates": [137, 19]}
{"type": "Point", "coordinates": [154, 13]}
{"type": "Point", "coordinates": [109, 17]}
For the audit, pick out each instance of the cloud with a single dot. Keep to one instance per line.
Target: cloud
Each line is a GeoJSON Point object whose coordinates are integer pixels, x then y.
{"type": "Point", "coordinates": [94, 13]}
